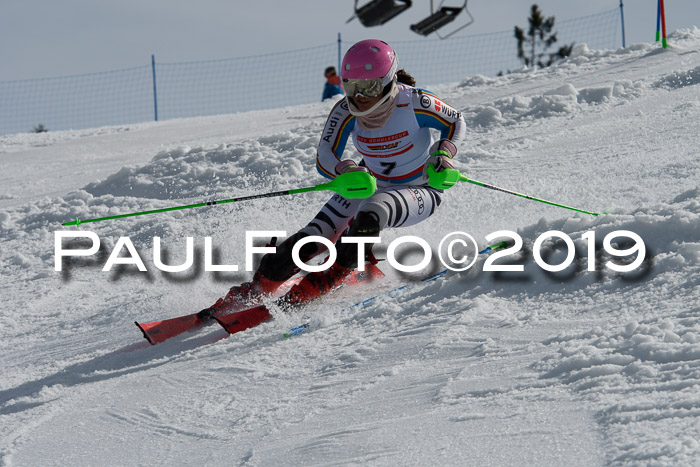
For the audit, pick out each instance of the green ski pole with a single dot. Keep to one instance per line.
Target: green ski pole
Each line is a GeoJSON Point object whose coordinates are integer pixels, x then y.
{"type": "Point", "coordinates": [448, 177]}
{"type": "Point", "coordinates": [351, 185]}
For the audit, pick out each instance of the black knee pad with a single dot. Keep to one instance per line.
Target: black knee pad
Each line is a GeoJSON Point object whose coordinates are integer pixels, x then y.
{"type": "Point", "coordinates": [366, 224]}
{"type": "Point", "coordinates": [279, 266]}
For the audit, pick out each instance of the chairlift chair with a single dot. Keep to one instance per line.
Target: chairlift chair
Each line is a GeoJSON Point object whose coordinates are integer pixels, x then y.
{"type": "Point", "coordinates": [439, 18]}
{"type": "Point", "coordinates": [378, 12]}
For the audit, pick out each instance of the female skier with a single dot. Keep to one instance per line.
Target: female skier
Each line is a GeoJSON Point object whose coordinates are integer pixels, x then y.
{"type": "Point", "coordinates": [389, 121]}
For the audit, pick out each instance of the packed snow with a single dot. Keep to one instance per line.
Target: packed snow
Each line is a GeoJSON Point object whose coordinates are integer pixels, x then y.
{"type": "Point", "coordinates": [586, 366]}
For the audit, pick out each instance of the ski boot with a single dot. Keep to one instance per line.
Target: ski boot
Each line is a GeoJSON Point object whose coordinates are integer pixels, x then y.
{"type": "Point", "coordinates": [316, 284]}
{"type": "Point", "coordinates": [274, 270]}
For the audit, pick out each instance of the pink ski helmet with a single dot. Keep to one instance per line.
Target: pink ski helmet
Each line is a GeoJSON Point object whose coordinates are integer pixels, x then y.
{"type": "Point", "coordinates": [368, 67]}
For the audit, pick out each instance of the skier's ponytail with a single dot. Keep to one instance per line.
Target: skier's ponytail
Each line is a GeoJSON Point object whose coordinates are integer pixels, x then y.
{"type": "Point", "coordinates": [404, 77]}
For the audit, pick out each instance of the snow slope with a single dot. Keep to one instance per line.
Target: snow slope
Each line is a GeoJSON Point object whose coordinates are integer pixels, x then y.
{"type": "Point", "coordinates": [577, 367]}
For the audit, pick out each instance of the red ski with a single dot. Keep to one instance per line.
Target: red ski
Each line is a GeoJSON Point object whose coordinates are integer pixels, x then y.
{"type": "Point", "coordinates": [159, 331]}
{"type": "Point", "coordinates": [242, 320]}
{"type": "Point", "coordinates": [235, 318]}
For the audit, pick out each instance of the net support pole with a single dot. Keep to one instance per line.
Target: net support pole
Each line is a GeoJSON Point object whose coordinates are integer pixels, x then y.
{"type": "Point", "coordinates": [155, 93]}
{"type": "Point", "coordinates": [664, 42]}
{"type": "Point", "coordinates": [340, 46]}
{"type": "Point", "coordinates": [622, 20]}
{"type": "Point", "coordinates": [658, 20]}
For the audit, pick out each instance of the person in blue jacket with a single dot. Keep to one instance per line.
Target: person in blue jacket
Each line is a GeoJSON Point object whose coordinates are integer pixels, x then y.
{"type": "Point", "coordinates": [332, 86]}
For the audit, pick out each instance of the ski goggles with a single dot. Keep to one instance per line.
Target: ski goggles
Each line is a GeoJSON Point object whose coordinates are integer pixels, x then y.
{"type": "Point", "coordinates": [363, 87]}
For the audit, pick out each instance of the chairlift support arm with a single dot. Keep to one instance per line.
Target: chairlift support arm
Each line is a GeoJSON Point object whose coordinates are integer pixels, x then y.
{"type": "Point", "coordinates": [441, 17]}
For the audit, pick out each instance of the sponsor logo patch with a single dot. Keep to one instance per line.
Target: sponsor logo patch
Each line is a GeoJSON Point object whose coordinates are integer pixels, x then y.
{"type": "Point", "coordinates": [383, 147]}
{"type": "Point", "coordinates": [383, 139]}
{"type": "Point", "coordinates": [330, 128]}
{"type": "Point", "coordinates": [419, 198]}
{"type": "Point", "coordinates": [450, 112]}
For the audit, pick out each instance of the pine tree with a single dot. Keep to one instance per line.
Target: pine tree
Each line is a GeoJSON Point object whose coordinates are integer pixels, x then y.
{"type": "Point", "coordinates": [539, 34]}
